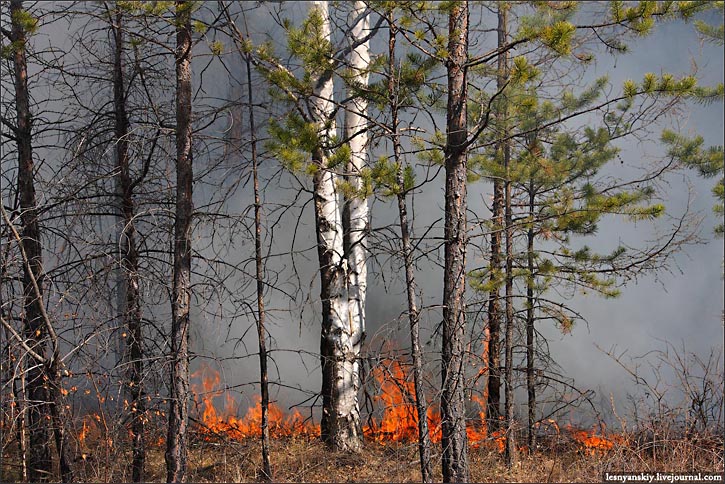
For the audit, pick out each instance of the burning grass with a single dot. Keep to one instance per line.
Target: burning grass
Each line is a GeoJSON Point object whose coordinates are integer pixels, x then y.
{"type": "Point", "coordinates": [224, 445]}
{"type": "Point", "coordinates": [306, 459]}
{"type": "Point", "coordinates": [571, 455]}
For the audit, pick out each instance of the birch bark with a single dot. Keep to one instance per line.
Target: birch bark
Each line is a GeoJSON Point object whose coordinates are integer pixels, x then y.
{"type": "Point", "coordinates": [340, 426]}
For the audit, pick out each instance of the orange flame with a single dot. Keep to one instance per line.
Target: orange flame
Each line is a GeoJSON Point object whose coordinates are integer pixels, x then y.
{"type": "Point", "coordinates": [399, 421]}
{"type": "Point", "coordinates": [89, 429]}
{"type": "Point", "coordinates": [594, 444]}
{"type": "Point", "coordinates": [226, 422]}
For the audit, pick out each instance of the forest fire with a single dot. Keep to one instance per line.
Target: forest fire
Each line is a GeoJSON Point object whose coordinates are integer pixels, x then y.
{"type": "Point", "coordinates": [214, 423]}
{"type": "Point", "coordinates": [217, 416]}
{"type": "Point", "coordinates": [594, 444]}
{"type": "Point", "coordinates": [399, 422]}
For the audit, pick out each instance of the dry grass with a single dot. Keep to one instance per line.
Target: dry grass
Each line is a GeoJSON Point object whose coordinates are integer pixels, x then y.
{"type": "Point", "coordinates": [305, 460]}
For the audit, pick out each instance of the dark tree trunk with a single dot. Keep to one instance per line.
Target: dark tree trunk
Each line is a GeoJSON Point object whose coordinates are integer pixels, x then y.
{"type": "Point", "coordinates": [266, 471]}
{"type": "Point", "coordinates": [510, 447]}
{"type": "Point", "coordinates": [453, 408]}
{"type": "Point", "coordinates": [131, 311]}
{"type": "Point", "coordinates": [530, 341]}
{"type": "Point", "coordinates": [494, 312]}
{"type": "Point", "coordinates": [497, 216]}
{"type": "Point", "coordinates": [37, 394]}
{"type": "Point", "coordinates": [505, 151]}
{"type": "Point", "coordinates": [510, 450]}
{"type": "Point", "coordinates": [421, 405]}
{"type": "Point", "coordinates": [176, 442]}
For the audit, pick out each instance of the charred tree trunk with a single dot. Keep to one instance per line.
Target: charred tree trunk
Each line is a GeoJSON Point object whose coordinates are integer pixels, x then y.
{"type": "Point", "coordinates": [266, 471]}
{"type": "Point", "coordinates": [530, 341]}
{"type": "Point", "coordinates": [176, 441]}
{"type": "Point", "coordinates": [50, 367]}
{"type": "Point", "coordinates": [497, 217]}
{"type": "Point", "coordinates": [421, 405]}
{"type": "Point", "coordinates": [510, 445]}
{"type": "Point", "coordinates": [510, 448]}
{"type": "Point", "coordinates": [505, 152]}
{"type": "Point", "coordinates": [340, 425]}
{"type": "Point", "coordinates": [131, 310]}
{"type": "Point", "coordinates": [453, 408]}
{"type": "Point", "coordinates": [494, 312]}
{"type": "Point", "coordinates": [38, 398]}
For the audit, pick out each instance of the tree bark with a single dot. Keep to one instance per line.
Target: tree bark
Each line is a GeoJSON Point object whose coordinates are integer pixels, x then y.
{"type": "Point", "coordinates": [355, 208]}
{"type": "Point", "coordinates": [494, 312]}
{"type": "Point", "coordinates": [266, 471]}
{"type": "Point", "coordinates": [131, 310]}
{"type": "Point", "coordinates": [510, 444]}
{"type": "Point", "coordinates": [37, 394]}
{"type": "Point", "coordinates": [494, 305]}
{"type": "Point", "coordinates": [340, 425]}
{"type": "Point", "coordinates": [530, 341]}
{"type": "Point", "coordinates": [453, 408]}
{"type": "Point", "coordinates": [421, 405]}
{"type": "Point", "coordinates": [176, 441]}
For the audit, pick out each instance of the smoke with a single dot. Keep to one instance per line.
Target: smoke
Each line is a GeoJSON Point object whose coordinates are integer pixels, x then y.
{"type": "Point", "coordinates": [681, 305]}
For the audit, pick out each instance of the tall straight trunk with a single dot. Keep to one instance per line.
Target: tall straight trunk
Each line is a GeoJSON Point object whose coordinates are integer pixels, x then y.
{"type": "Point", "coordinates": [266, 471]}
{"type": "Point", "coordinates": [530, 363]}
{"type": "Point", "coordinates": [453, 407]}
{"type": "Point", "coordinates": [355, 208]}
{"type": "Point", "coordinates": [38, 398]}
{"type": "Point", "coordinates": [421, 405]}
{"type": "Point", "coordinates": [340, 425]}
{"type": "Point", "coordinates": [504, 150]}
{"type": "Point", "coordinates": [131, 309]}
{"type": "Point", "coordinates": [494, 312]}
{"type": "Point", "coordinates": [510, 445]}
{"type": "Point", "coordinates": [176, 441]}
{"type": "Point", "coordinates": [494, 305]}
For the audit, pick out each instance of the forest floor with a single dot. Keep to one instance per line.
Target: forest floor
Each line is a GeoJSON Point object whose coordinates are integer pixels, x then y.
{"type": "Point", "coordinates": [304, 459]}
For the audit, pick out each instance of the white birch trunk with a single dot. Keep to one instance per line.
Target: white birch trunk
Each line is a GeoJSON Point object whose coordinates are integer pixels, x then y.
{"type": "Point", "coordinates": [340, 415]}
{"type": "Point", "coordinates": [356, 211]}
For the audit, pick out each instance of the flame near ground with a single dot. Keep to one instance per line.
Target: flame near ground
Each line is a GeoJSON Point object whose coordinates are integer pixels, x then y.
{"type": "Point", "coordinates": [398, 422]}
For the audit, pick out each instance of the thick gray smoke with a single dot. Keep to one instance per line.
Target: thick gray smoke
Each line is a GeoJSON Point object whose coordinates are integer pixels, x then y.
{"type": "Point", "coordinates": [682, 305]}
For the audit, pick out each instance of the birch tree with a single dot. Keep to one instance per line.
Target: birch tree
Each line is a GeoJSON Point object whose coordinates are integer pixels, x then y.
{"type": "Point", "coordinates": [356, 213]}
{"type": "Point", "coordinates": [340, 425]}
{"type": "Point", "coordinates": [310, 131]}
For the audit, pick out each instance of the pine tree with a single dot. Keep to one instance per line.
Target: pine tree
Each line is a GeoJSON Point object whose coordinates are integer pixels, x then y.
{"type": "Point", "coordinates": [178, 419]}
{"type": "Point", "coordinates": [453, 411]}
